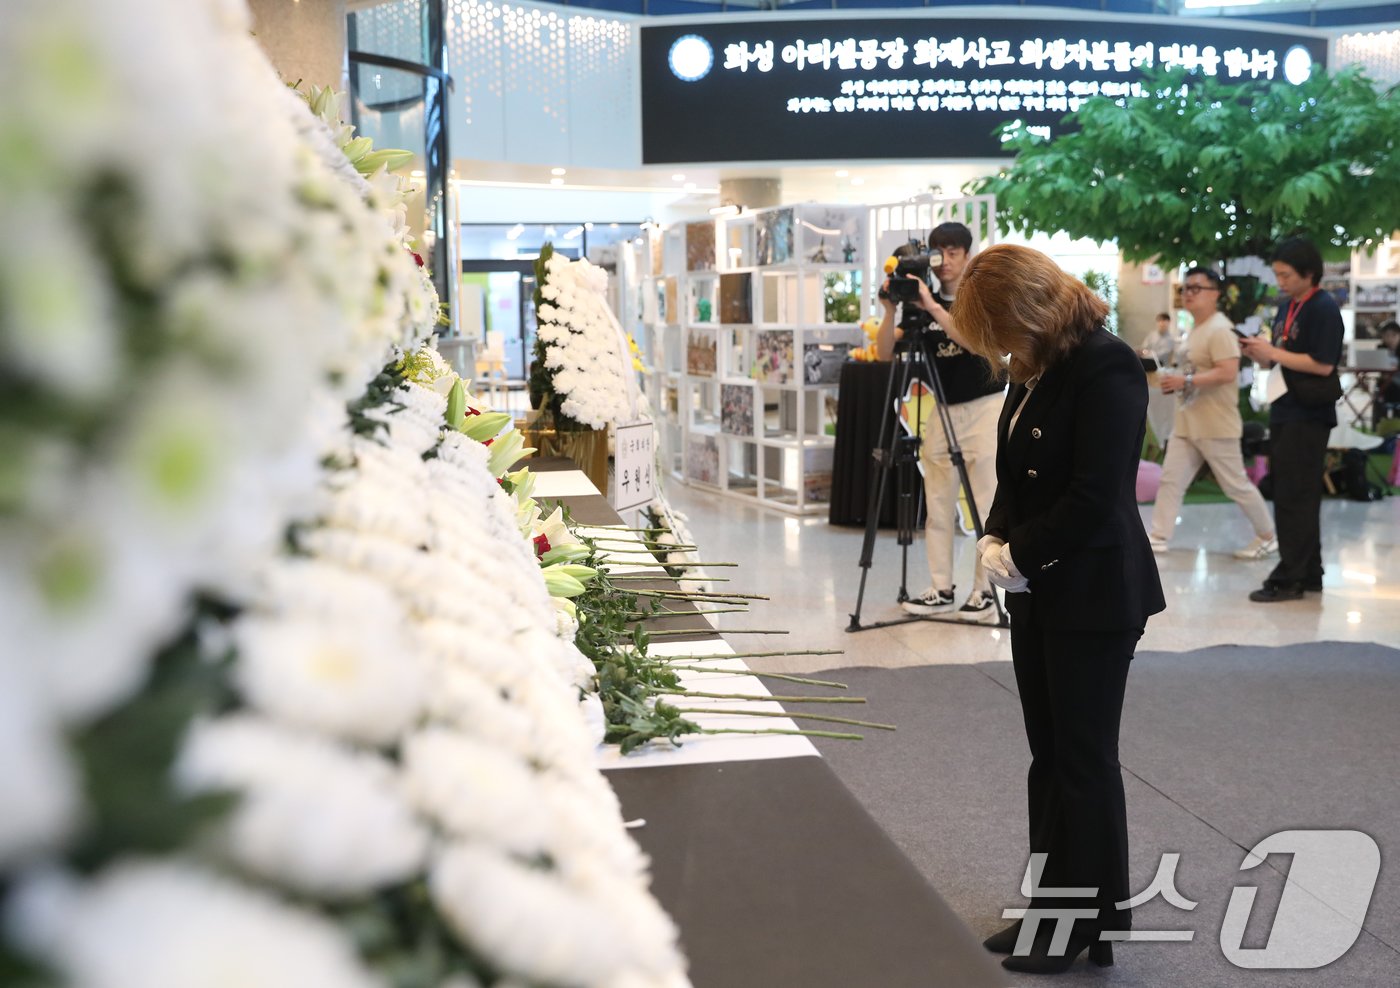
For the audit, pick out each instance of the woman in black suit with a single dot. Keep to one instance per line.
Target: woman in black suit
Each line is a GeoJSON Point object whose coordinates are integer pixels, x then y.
{"type": "Point", "coordinates": [1065, 539]}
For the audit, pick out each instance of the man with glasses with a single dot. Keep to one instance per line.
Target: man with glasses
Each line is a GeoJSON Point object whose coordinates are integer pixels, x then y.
{"type": "Point", "coordinates": [1207, 426]}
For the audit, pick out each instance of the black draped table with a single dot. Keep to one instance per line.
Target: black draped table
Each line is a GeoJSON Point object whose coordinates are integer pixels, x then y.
{"type": "Point", "coordinates": [860, 411]}
{"type": "Point", "coordinates": [775, 874]}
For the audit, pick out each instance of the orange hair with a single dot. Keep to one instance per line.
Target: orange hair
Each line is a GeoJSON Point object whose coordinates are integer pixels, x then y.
{"type": "Point", "coordinates": [1017, 301]}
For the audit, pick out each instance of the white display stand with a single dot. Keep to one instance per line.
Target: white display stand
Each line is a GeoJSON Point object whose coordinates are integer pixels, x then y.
{"type": "Point", "coordinates": [729, 346]}
{"type": "Point", "coordinates": [732, 311]}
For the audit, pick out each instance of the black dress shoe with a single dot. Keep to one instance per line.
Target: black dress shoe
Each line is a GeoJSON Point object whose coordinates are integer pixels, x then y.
{"type": "Point", "coordinates": [1003, 941]}
{"type": "Point", "coordinates": [1272, 593]}
{"type": "Point", "coordinates": [1040, 961]}
{"type": "Point", "coordinates": [1313, 586]}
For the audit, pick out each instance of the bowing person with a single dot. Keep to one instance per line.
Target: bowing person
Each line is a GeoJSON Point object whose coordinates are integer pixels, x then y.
{"type": "Point", "coordinates": [1065, 540]}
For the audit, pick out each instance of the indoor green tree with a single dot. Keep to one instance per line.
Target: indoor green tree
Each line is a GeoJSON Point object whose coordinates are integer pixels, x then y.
{"type": "Point", "coordinates": [1204, 170]}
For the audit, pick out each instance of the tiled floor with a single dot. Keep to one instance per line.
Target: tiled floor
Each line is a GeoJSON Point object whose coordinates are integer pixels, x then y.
{"type": "Point", "coordinates": [810, 572]}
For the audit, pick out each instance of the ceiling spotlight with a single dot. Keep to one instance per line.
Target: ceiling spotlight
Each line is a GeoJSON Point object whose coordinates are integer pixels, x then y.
{"type": "Point", "coordinates": [588, 226]}
{"type": "Point", "coordinates": [841, 173]}
{"type": "Point", "coordinates": [727, 210]}
{"type": "Point", "coordinates": [556, 181]}
{"type": "Point", "coordinates": [514, 232]}
{"type": "Point", "coordinates": [689, 186]}
{"type": "Point", "coordinates": [678, 178]}
{"type": "Point", "coordinates": [558, 171]}
{"type": "Point", "coordinates": [573, 233]}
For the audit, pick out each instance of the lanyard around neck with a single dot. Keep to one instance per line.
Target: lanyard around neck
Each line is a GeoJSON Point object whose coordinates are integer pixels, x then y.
{"type": "Point", "coordinates": [1293, 307]}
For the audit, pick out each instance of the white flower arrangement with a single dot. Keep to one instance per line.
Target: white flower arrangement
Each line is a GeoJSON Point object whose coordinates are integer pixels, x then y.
{"type": "Point", "coordinates": [202, 324]}
{"type": "Point", "coordinates": [319, 818]}
{"type": "Point", "coordinates": [173, 925]}
{"type": "Point", "coordinates": [585, 353]}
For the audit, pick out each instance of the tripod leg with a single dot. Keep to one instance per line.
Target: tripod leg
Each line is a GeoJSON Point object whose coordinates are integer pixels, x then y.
{"type": "Point", "coordinates": [884, 457]}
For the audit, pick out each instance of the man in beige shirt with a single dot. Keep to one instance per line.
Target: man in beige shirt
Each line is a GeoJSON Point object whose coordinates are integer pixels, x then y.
{"type": "Point", "coordinates": [1207, 426]}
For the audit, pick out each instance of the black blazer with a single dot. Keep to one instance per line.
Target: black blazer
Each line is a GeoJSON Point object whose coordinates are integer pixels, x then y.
{"type": "Point", "coordinates": [1066, 498]}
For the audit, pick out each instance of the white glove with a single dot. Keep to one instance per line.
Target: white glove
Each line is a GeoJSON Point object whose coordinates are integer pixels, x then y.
{"type": "Point", "coordinates": [1001, 568]}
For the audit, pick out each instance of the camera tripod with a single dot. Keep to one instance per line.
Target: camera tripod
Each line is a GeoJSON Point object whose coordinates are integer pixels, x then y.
{"type": "Point", "coordinates": [901, 453]}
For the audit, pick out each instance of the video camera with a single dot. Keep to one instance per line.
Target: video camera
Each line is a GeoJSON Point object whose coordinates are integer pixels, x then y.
{"type": "Point", "coordinates": [916, 259]}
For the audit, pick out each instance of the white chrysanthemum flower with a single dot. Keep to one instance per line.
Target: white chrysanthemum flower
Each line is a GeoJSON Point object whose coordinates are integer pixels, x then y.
{"type": "Point", "coordinates": [311, 815]}
{"type": "Point", "coordinates": [55, 303]}
{"type": "Point", "coordinates": [170, 925]}
{"type": "Point", "coordinates": [352, 677]}
{"type": "Point", "coordinates": [535, 927]}
{"type": "Point", "coordinates": [424, 398]}
{"type": "Point", "coordinates": [476, 790]}
{"type": "Point", "coordinates": [37, 780]}
{"type": "Point", "coordinates": [596, 720]}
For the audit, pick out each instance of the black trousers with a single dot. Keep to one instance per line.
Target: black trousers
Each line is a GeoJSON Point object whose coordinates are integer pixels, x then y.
{"type": "Point", "coordinates": [1297, 454]}
{"type": "Point", "coordinates": [1071, 686]}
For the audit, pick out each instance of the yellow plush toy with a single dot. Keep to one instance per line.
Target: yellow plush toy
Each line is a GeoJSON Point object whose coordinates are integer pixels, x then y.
{"type": "Point", "coordinates": [871, 328]}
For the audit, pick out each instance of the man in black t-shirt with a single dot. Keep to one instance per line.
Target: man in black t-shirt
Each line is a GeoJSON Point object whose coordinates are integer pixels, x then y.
{"type": "Point", "coordinates": [974, 395]}
{"type": "Point", "coordinates": [1306, 348]}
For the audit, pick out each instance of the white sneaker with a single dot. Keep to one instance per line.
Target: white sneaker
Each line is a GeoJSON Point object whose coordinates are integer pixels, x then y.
{"type": "Point", "coordinates": [931, 601]}
{"type": "Point", "coordinates": [1158, 545]}
{"type": "Point", "coordinates": [979, 608]}
{"type": "Point", "coordinates": [1260, 548]}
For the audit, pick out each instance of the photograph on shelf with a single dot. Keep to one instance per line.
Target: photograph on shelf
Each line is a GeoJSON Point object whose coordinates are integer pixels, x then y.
{"type": "Point", "coordinates": [658, 264]}
{"type": "Point", "coordinates": [700, 246]}
{"type": "Point", "coordinates": [772, 359]}
{"type": "Point", "coordinates": [1338, 288]}
{"type": "Point", "coordinates": [736, 298]}
{"type": "Point", "coordinates": [702, 459]}
{"type": "Point", "coordinates": [773, 232]}
{"type": "Point", "coordinates": [833, 234]}
{"type": "Point", "coordinates": [701, 352]}
{"type": "Point", "coordinates": [1367, 325]}
{"type": "Point", "coordinates": [1377, 294]}
{"type": "Point", "coordinates": [822, 362]}
{"type": "Point", "coordinates": [817, 486]}
{"type": "Point", "coordinates": [736, 409]}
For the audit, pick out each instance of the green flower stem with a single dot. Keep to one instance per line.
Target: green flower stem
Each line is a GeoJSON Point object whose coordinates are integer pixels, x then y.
{"type": "Point", "coordinates": [647, 552]}
{"type": "Point", "coordinates": [761, 699]}
{"type": "Point", "coordinates": [677, 565]}
{"type": "Point", "coordinates": [779, 730]}
{"type": "Point", "coordinates": [774, 713]}
{"type": "Point", "coordinates": [660, 576]}
{"type": "Point", "coordinates": [719, 597]}
{"type": "Point", "coordinates": [650, 546]}
{"type": "Point", "coordinates": [718, 631]}
{"type": "Point", "coordinates": [764, 675]}
{"type": "Point", "coordinates": [648, 615]}
{"type": "Point", "coordinates": [765, 655]}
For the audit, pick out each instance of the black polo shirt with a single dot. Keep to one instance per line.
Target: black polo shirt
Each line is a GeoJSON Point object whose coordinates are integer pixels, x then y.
{"type": "Point", "coordinates": [1317, 331]}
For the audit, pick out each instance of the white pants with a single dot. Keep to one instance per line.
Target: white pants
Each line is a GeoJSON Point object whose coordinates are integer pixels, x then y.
{"type": "Point", "coordinates": [1184, 458]}
{"type": "Point", "coordinates": [975, 424]}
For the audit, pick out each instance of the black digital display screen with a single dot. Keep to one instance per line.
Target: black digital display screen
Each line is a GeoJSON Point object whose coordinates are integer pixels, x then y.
{"type": "Point", "coordinates": [926, 88]}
